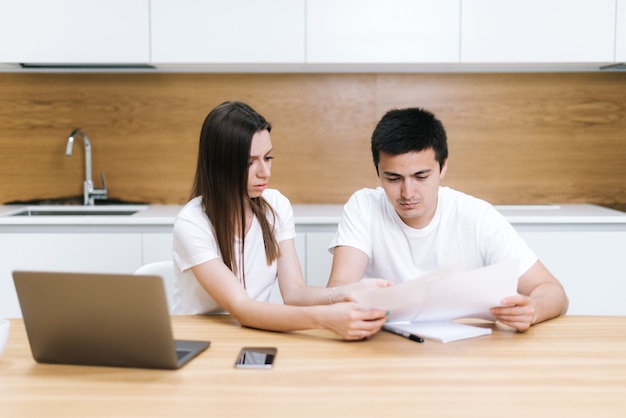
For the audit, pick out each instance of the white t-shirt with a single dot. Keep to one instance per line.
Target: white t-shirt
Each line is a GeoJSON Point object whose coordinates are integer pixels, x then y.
{"type": "Point", "coordinates": [465, 232]}
{"type": "Point", "coordinates": [194, 243]}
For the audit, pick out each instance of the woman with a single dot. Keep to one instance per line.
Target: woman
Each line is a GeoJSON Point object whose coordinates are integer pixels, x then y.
{"type": "Point", "coordinates": [236, 237]}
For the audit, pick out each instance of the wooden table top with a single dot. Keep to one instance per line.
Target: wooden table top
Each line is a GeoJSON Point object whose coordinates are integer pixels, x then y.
{"type": "Point", "coordinates": [568, 367]}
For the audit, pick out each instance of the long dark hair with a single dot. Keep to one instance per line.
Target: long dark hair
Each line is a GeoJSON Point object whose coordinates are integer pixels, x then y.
{"type": "Point", "coordinates": [222, 180]}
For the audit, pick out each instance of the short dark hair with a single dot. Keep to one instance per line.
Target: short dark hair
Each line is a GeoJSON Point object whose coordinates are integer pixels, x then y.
{"type": "Point", "coordinates": [409, 130]}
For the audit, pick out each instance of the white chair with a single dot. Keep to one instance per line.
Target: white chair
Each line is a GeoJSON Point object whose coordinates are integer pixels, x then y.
{"type": "Point", "coordinates": [165, 269]}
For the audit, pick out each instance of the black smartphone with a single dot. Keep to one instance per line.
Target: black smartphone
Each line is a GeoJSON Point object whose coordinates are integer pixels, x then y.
{"type": "Point", "coordinates": [256, 358]}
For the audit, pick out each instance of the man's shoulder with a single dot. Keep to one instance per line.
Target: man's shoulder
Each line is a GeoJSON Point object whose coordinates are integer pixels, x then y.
{"type": "Point", "coordinates": [464, 206]}
{"type": "Point", "coordinates": [368, 194]}
{"type": "Point", "coordinates": [454, 197]}
{"type": "Point", "coordinates": [367, 204]}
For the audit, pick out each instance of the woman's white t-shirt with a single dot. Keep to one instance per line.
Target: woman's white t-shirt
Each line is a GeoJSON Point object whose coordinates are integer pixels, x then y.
{"type": "Point", "coordinates": [194, 243]}
{"type": "Point", "coordinates": [465, 232]}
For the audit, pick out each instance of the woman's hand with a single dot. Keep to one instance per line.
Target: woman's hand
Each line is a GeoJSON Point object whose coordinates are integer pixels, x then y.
{"type": "Point", "coordinates": [371, 282]}
{"type": "Point", "coordinates": [350, 322]}
{"type": "Point", "coordinates": [346, 293]}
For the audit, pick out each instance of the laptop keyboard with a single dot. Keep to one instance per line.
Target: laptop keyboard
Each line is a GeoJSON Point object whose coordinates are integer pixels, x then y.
{"type": "Point", "coordinates": [181, 353]}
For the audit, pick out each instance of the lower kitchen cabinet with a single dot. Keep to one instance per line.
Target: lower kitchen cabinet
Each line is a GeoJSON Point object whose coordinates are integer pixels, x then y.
{"type": "Point", "coordinates": [72, 252]}
{"type": "Point", "coordinates": [318, 260]}
{"type": "Point", "coordinates": [589, 260]}
{"type": "Point", "coordinates": [156, 246]}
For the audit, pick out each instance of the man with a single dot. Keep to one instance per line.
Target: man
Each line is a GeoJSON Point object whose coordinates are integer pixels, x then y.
{"type": "Point", "coordinates": [412, 225]}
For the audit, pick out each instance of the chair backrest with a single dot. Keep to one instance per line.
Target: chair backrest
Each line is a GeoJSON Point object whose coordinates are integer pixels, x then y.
{"type": "Point", "coordinates": [165, 269]}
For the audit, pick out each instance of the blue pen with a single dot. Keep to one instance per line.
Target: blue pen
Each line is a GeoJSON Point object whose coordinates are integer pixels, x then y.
{"type": "Point", "coordinates": [404, 334]}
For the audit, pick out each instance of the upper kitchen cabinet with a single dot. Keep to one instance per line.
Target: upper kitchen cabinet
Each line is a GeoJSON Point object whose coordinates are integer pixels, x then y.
{"type": "Point", "coordinates": [538, 31]}
{"type": "Point", "coordinates": [73, 32]}
{"type": "Point", "coordinates": [382, 31]}
{"type": "Point", "coordinates": [227, 32]}
{"type": "Point", "coordinates": [620, 32]}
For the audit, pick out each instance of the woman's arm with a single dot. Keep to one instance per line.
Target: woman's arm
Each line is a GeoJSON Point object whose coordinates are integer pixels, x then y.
{"type": "Point", "coordinates": [295, 291]}
{"type": "Point", "coordinates": [345, 319]}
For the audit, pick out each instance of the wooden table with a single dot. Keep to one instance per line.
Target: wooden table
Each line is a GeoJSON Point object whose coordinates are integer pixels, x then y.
{"type": "Point", "coordinates": [568, 367]}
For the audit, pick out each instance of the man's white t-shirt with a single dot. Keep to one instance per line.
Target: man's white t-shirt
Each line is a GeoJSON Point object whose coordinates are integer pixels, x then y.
{"type": "Point", "coordinates": [194, 243]}
{"type": "Point", "coordinates": [465, 232]}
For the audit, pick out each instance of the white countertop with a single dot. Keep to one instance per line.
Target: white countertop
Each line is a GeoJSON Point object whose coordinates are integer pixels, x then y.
{"type": "Point", "coordinates": [515, 214]}
{"type": "Point", "coordinates": [149, 215]}
{"type": "Point", "coordinates": [321, 215]}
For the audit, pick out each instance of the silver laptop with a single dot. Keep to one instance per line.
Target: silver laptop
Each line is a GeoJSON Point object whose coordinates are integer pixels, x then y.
{"type": "Point", "coordinates": [119, 320]}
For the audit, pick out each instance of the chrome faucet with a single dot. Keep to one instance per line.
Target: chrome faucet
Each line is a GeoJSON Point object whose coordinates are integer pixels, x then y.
{"type": "Point", "coordinates": [89, 192]}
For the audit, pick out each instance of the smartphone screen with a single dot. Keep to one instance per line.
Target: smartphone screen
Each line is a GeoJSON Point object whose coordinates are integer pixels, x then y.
{"type": "Point", "coordinates": [256, 358]}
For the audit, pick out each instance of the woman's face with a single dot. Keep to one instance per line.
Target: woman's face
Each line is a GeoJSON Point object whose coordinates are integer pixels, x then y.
{"type": "Point", "coordinates": [260, 163]}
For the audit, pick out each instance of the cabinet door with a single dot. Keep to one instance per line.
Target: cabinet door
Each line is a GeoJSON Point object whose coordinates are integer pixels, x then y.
{"type": "Point", "coordinates": [620, 34]}
{"type": "Point", "coordinates": [157, 247]}
{"type": "Point", "coordinates": [75, 31]}
{"type": "Point", "coordinates": [223, 32]}
{"type": "Point", "coordinates": [75, 252]}
{"type": "Point", "coordinates": [589, 263]}
{"type": "Point", "coordinates": [376, 31]}
{"type": "Point", "coordinates": [538, 31]}
{"type": "Point", "coordinates": [318, 260]}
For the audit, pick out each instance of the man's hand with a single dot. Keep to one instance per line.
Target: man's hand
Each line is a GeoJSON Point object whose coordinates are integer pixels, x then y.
{"type": "Point", "coordinates": [516, 311]}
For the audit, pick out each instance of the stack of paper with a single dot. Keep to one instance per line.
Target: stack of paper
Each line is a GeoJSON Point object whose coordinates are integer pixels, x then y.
{"type": "Point", "coordinates": [427, 305]}
{"type": "Point", "coordinates": [442, 331]}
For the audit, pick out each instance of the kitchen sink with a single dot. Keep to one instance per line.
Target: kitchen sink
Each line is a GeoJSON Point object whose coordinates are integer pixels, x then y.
{"type": "Point", "coordinates": [122, 210]}
{"type": "Point", "coordinates": [76, 200]}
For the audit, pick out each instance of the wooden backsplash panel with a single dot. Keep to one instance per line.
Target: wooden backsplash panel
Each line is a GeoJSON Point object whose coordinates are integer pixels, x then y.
{"type": "Point", "coordinates": [514, 138]}
{"type": "Point", "coordinates": [518, 138]}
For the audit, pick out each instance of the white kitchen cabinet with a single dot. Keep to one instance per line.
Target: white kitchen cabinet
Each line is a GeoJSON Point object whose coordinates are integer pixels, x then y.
{"type": "Point", "coordinates": [314, 257]}
{"type": "Point", "coordinates": [620, 32]}
{"type": "Point", "coordinates": [75, 31]}
{"type": "Point", "coordinates": [377, 31]}
{"type": "Point", "coordinates": [73, 252]}
{"type": "Point", "coordinates": [588, 260]}
{"type": "Point", "coordinates": [583, 245]}
{"type": "Point", "coordinates": [226, 32]}
{"type": "Point", "coordinates": [156, 246]}
{"type": "Point", "coordinates": [318, 260]}
{"type": "Point", "coordinates": [538, 31]}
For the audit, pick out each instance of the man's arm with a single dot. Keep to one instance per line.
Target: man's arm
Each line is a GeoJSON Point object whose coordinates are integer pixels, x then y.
{"type": "Point", "coordinates": [541, 297]}
{"type": "Point", "coordinates": [349, 266]}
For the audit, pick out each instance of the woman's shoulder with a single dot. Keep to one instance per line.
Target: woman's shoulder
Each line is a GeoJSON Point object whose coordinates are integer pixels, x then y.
{"type": "Point", "coordinates": [192, 208]}
{"type": "Point", "coordinates": [275, 198]}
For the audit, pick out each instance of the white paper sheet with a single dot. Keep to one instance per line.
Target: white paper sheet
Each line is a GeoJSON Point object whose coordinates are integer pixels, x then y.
{"type": "Point", "coordinates": [442, 331]}
{"type": "Point", "coordinates": [445, 295]}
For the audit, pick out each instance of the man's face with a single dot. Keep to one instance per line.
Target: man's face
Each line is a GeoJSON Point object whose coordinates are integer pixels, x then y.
{"type": "Point", "coordinates": [411, 183]}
